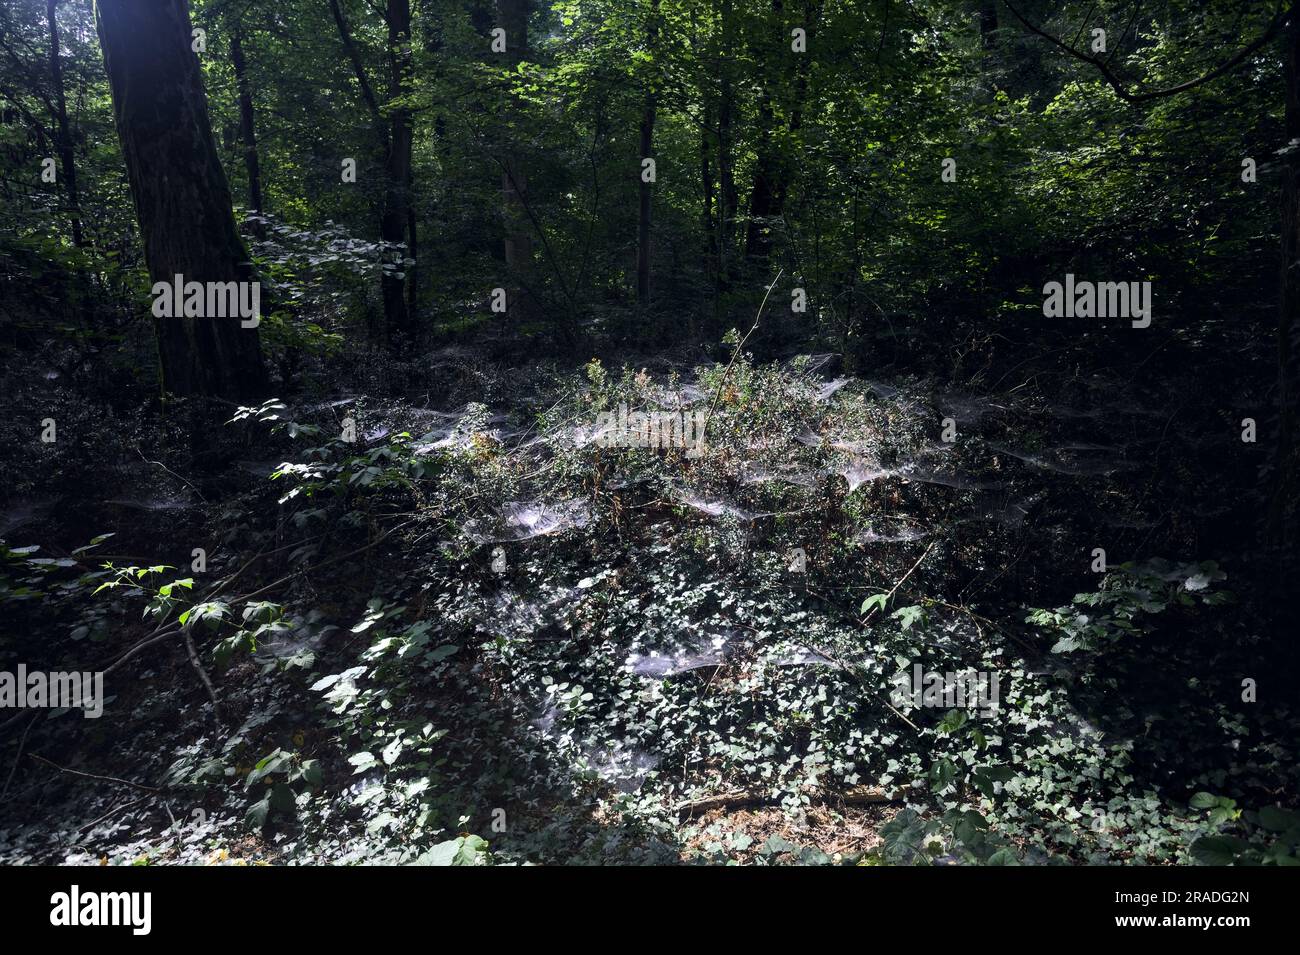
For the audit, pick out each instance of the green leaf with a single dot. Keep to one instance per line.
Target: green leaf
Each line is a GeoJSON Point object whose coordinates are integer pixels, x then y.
{"type": "Point", "coordinates": [311, 772]}
{"type": "Point", "coordinates": [1278, 820]}
{"type": "Point", "coordinates": [257, 813]}
{"type": "Point", "coordinates": [442, 854]}
{"type": "Point", "coordinates": [282, 798]}
{"type": "Point", "coordinates": [877, 601]}
{"type": "Point", "coordinates": [361, 762]}
{"type": "Point", "coordinates": [907, 616]}
{"type": "Point", "coordinates": [1217, 850]}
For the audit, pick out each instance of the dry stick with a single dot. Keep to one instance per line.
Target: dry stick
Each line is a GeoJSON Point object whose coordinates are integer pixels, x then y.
{"type": "Point", "coordinates": [189, 640]}
{"type": "Point", "coordinates": [993, 625]}
{"type": "Point", "coordinates": [900, 583]}
{"type": "Point", "coordinates": [173, 474]}
{"type": "Point", "coordinates": [157, 634]}
{"type": "Point", "coordinates": [157, 637]}
{"type": "Point", "coordinates": [857, 796]}
{"type": "Point", "coordinates": [147, 642]}
{"type": "Point", "coordinates": [207, 683]}
{"type": "Point", "coordinates": [227, 581]}
{"type": "Point", "coordinates": [736, 354]}
{"type": "Point", "coordinates": [18, 756]}
{"type": "Point", "coordinates": [852, 672]}
{"type": "Point", "coordinates": [375, 543]}
{"type": "Point", "coordinates": [864, 620]}
{"type": "Point", "coordinates": [108, 779]}
{"type": "Point", "coordinates": [112, 812]}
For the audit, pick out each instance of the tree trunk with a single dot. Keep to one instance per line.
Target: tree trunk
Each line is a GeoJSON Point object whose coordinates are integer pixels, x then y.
{"type": "Point", "coordinates": [707, 229]}
{"type": "Point", "coordinates": [181, 197]}
{"type": "Point", "coordinates": [354, 57]}
{"type": "Point", "coordinates": [726, 161]}
{"type": "Point", "coordinates": [512, 16]}
{"type": "Point", "coordinates": [772, 172]}
{"type": "Point", "coordinates": [988, 17]}
{"type": "Point", "coordinates": [762, 196]}
{"type": "Point", "coordinates": [397, 199]}
{"type": "Point", "coordinates": [247, 126]}
{"type": "Point", "coordinates": [647, 147]}
{"type": "Point", "coordinates": [67, 157]}
{"type": "Point", "coordinates": [413, 250]}
{"type": "Point", "coordinates": [396, 138]}
{"type": "Point", "coordinates": [709, 238]}
{"type": "Point", "coordinates": [1282, 518]}
{"type": "Point", "coordinates": [727, 198]}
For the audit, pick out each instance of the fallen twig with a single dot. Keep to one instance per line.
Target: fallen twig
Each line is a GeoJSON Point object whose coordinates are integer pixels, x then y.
{"type": "Point", "coordinates": [19, 755]}
{"type": "Point", "coordinates": [857, 796]}
{"type": "Point", "coordinates": [107, 779]}
{"type": "Point", "coordinates": [198, 667]}
{"type": "Point", "coordinates": [113, 812]}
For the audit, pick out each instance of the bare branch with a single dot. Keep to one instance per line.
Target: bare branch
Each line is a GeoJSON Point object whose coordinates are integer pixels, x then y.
{"type": "Point", "coordinates": [1130, 96]}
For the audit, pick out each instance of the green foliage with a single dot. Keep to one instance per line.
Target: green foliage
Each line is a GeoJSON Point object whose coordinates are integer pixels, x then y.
{"type": "Point", "coordinates": [1270, 836]}
{"type": "Point", "coordinates": [1127, 597]}
{"type": "Point", "coordinates": [957, 836]}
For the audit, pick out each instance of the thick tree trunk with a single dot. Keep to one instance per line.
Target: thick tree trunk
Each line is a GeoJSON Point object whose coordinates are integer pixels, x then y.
{"type": "Point", "coordinates": [647, 149]}
{"type": "Point", "coordinates": [247, 124]}
{"type": "Point", "coordinates": [67, 156]}
{"type": "Point", "coordinates": [180, 193]}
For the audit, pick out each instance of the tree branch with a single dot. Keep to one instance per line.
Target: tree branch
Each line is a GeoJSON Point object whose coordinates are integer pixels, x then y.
{"type": "Point", "coordinates": [354, 55]}
{"type": "Point", "coordinates": [1130, 96]}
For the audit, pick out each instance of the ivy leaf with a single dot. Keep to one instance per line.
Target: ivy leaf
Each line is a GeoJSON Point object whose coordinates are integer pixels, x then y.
{"type": "Point", "coordinates": [907, 616]}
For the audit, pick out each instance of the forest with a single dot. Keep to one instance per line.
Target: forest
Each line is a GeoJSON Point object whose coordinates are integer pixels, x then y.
{"type": "Point", "coordinates": [649, 432]}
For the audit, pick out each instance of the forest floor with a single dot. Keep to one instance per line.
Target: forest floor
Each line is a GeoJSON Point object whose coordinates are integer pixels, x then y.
{"type": "Point", "coordinates": [474, 633]}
